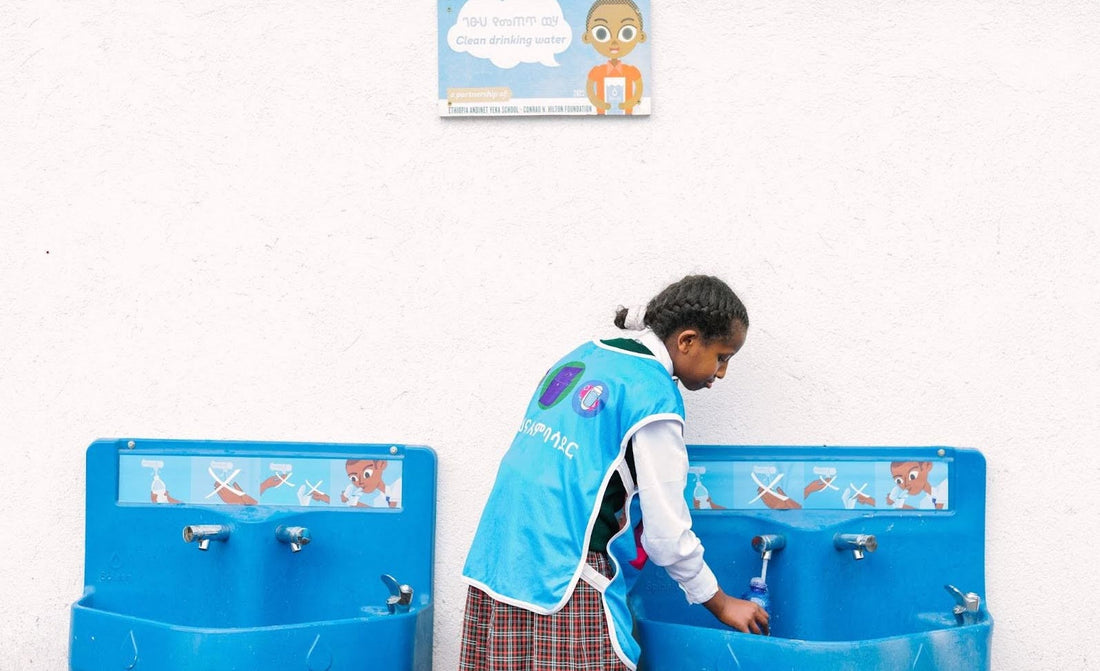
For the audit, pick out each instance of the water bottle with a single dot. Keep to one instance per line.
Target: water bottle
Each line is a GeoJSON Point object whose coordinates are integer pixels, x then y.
{"type": "Point", "coordinates": [758, 594]}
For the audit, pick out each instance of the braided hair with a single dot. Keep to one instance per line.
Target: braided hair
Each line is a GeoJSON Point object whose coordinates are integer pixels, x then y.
{"type": "Point", "coordinates": [702, 302]}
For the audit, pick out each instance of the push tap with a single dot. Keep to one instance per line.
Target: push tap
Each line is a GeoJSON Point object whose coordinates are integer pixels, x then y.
{"type": "Point", "coordinates": [204, 533]}
{"type": "Point", "coordinates": [401, 595]}
{"type": "Point", "coordinates": [295, 537]}
{"type": "Point", "coordinates": [857, 543]}
{"type": "Point", "coordinates": [966, 605]}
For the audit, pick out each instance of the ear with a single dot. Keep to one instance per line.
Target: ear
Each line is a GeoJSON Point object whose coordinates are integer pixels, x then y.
{"type": "Point", "coordinates": [687, 339]}
{"type": "Point", "coordinates": [584, 37]}
{"type": "Point", "coordinates": [380, 465]}
{"type": "Point", "coordinates": [641, 36]}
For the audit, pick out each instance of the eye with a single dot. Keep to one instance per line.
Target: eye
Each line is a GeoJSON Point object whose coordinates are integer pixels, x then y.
{"type": "Point", "coordinates": [354, 477]}
{"type": "Point", "coordinates": [601, 34]}
{"type": "Point", "coordinates": [898, 481]}
{"type": "Point", "coordinates": [912, 475]}
{"type": "Point", "coordinates": [627, 33]}
{"type": "Point", "coordinates": [367, 473]}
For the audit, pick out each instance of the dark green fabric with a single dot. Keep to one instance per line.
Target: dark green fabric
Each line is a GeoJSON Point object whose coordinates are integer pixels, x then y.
{"type": "Point", "coordinates": [629, 345]}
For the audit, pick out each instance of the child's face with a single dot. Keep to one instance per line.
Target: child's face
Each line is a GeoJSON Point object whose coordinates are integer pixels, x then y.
{"type": "Point", "coordinates": [699, 363]}
{"type": "Point", "coordinates": [911, 476]}
{"type": "Point", "coordinates": [614, 30]}
{"type": "Point", "coordinates": [366, 474]}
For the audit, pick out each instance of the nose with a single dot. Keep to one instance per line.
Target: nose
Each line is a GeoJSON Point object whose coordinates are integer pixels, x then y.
{"type": "Point", "coordinates": [721, 372]}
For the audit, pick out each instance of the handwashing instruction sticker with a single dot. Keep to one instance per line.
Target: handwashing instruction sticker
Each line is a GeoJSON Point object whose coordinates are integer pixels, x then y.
{"type": "Point", "coordinates": [544, 57]}
{"type": "Point", "coordinates": [773, 484]}
{"type": "Point", "coordinates": [818, 485]}
{"type": "Point", "coordinates": [155, 479]}
{"type": "Point", "coordinates": [354, 482]}
{"type": "Point", "coordinates": [831, 485]}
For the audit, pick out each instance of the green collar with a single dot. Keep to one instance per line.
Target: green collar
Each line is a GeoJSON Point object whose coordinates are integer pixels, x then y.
{"type": "Point", "coordinates": [628, 344]}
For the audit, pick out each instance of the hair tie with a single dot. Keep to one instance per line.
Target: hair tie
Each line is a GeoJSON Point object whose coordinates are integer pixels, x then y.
{"type": "Point", "coordinates": [635, 318]}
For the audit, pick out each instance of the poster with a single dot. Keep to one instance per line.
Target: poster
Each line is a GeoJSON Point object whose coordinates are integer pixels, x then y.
{"type": "Point", "coordinates": [913, 484]}
{"type": "Point", "coordinates": [286, 481]}
{"type": "Point", "coordinates": [544, 57]}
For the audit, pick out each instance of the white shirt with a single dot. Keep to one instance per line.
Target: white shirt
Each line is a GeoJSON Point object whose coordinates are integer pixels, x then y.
{"type": "Point", "coordinates": [661, 463]}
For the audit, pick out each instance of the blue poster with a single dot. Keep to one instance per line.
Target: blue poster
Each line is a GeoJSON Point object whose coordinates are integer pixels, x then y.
{"type": "Point", "coordinates": [920, 485]}
{"type": "Point", "coordinates": [365, 482]}
{"type": "Point", "coordinates": [544, 57]}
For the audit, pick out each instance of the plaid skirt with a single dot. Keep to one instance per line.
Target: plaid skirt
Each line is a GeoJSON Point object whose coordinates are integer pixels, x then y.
{"type": "Point", "coordinates": [500, 637]}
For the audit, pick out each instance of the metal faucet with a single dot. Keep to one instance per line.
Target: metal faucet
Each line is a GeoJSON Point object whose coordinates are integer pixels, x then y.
{"type": "Point", "coordinates": [966, 605]}
{"type": "Point", "coordinates": [295, 537]}
{"type": "Point", "coordinates": [765, 544]}
{"type": "Point", "coordinates": [204, 533]}
{"type": "Point", "coordinates": [401, 596]}
{"type": "Point", "coordinates": [857, 543]}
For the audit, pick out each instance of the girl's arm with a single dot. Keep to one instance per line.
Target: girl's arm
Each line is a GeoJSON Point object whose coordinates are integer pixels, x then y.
{"type": "Point", "coordinates": [660, 463]}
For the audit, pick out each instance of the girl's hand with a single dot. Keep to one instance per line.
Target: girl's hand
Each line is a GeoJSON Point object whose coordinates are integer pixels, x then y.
{"type": "Point", "coordinates": [742, 615]}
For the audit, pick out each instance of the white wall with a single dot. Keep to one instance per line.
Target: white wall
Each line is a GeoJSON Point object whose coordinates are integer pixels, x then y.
{"type": "Point", "coordinates": [244, 220]}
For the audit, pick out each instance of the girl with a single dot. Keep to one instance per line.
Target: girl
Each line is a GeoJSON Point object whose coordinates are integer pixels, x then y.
{"type": "Point", "coordinates": [601, 448]}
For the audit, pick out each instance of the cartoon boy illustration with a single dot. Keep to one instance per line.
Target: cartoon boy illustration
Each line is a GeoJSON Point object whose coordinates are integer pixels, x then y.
{"type": "Point", "coordinates": [614, 28]}
{"type": "Point", "coordinates": [912, 489]}
{"type": "Point", "coordinates": [366, 488]}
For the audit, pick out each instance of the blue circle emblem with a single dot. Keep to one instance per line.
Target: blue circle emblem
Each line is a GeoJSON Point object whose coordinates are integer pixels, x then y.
{"type": "Point", "coordinates": [591, 398]}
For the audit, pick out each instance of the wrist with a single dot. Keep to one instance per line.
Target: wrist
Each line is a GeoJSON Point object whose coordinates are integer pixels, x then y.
{"type": "Point", "coordinates": [715, 603]}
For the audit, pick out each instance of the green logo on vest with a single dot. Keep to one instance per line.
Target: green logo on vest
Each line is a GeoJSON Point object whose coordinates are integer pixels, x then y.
{"type": "Point", "coordinates": [558, 383]}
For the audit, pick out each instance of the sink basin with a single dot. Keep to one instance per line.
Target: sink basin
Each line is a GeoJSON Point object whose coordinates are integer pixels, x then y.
{"type": "Point", "coordinates": [156, 598]}
{"type": "Point", "coordinates": [709, 646]}
{"type": "Point", "coordinates": [102, 639]}
{"type": "Point", "coordinates": [831, 608]}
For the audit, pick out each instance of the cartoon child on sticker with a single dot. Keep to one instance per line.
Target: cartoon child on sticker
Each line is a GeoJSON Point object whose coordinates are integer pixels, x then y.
{"type": "Point", "coordinates": [366, 488]}
{"type": "Point", "coordinates": [912, 490]}
{"type": "Point", "coordinates": [614, 28]}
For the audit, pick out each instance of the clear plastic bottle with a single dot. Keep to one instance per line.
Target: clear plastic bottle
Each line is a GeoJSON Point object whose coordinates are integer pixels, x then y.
{"type": "Point", "coordinates": [758, 594]}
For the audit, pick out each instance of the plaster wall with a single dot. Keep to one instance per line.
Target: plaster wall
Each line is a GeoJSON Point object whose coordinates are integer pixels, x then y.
{"type": "Point", "coordinates": [244, 220]}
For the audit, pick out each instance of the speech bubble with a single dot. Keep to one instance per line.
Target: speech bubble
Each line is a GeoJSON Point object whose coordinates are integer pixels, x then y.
{"type": "Point", "coordinates": [510, 32]}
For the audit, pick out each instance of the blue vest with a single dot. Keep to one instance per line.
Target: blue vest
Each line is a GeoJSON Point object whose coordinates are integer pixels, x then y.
{"type": "Point", "coordinates": [532, 541]}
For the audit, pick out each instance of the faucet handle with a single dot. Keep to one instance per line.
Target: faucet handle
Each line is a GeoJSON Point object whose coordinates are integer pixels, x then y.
{"type": "Point", "coordinates": [400, 597]}
{"type": "Point", "coordinates": [960, 598]}
{"type": "Point", "coordinates": [969, 602]}
{"type": "Point", "coordinates": [391, 584]}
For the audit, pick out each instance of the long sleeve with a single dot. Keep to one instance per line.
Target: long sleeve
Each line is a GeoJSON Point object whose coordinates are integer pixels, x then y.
{"type": "Point", "coordinates": [661, 463]}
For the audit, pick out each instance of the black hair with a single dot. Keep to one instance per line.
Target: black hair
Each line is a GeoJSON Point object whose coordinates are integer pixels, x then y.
{"type": "Point", "coordinates": [701, 302]}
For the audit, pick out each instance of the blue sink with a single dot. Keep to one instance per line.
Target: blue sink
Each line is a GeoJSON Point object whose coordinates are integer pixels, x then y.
{"type": "Point", "coordinates": [830, 610]}
{"type": "Point", "coordinates": [153, 600]}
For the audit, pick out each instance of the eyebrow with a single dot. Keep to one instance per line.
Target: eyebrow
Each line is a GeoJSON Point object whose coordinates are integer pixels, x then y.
{"type": "Point", "coordinates": [598, 20]}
